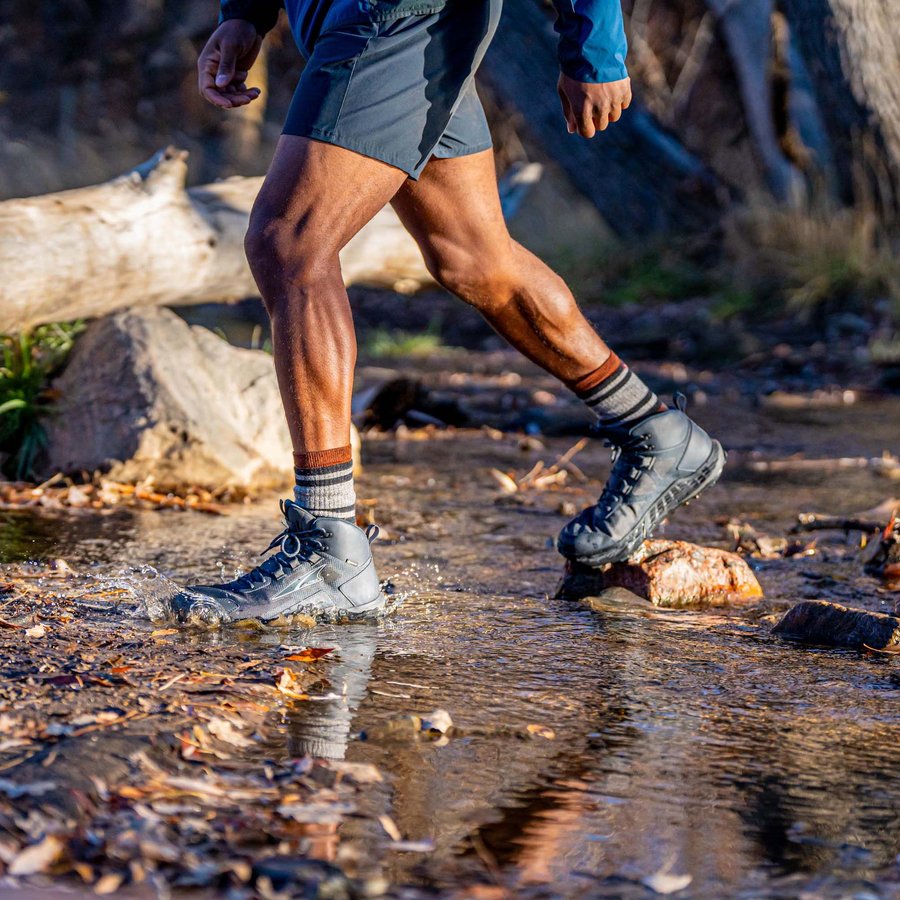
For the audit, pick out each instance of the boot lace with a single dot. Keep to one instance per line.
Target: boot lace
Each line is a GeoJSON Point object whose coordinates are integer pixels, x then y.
{"type": "Point", "coordinates": [632, 459]}
{"type": "Point", "coordinates": [294, 545]}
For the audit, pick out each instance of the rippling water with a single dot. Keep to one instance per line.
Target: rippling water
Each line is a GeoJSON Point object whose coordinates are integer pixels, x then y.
{"type": "Point", "coordinates": [674, 749]}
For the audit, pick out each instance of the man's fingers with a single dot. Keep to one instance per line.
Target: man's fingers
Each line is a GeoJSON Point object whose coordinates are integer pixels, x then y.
{"type": "Point", "coordinates": [567, 110]}
{"type": "Point", "coordinates": [615, 112]}
{"type": "Point", "coordinates": [227, 64]}
{"type": "Point", "coordinates": [242, 98]}
{"type": "Point", "coordinates": [230, 99]}
{"type": "Point", "coordinates": [217, 98]}
{"type": "Point", "coordinates": [586, 122]}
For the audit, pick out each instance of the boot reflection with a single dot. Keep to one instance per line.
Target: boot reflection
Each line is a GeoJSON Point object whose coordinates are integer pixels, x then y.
{"type": "Point", "coordinates": [321, 727]}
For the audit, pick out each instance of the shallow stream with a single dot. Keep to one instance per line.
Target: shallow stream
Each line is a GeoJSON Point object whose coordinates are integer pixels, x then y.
{"type": "Point", "coordinates": [672, 750]}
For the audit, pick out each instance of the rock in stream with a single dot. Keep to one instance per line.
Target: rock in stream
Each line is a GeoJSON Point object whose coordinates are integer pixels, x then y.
{"type": "Point", "coordinates": [673, 574]}
{"type": "Point", "coordinates": [833, 625]}
{"type": "Point", "coordinates": [146, 394]}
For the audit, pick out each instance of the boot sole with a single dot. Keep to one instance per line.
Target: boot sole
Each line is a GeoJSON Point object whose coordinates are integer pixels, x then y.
{"type": "Point", "coordinates": [679, 494]}
{"type": "Point", "coordinates": [197, 614]}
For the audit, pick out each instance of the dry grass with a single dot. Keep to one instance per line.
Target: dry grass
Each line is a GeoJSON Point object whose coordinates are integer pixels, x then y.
{"type": "Point", "coordinates": [814, 260]}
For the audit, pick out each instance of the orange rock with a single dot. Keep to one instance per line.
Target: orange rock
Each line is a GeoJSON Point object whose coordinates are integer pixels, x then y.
{"type": "Point", "coordinates": [672, 574]}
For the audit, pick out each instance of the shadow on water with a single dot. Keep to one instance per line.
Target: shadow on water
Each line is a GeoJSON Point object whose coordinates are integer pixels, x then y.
{"type": "Point", "coordinates": [666, 748]}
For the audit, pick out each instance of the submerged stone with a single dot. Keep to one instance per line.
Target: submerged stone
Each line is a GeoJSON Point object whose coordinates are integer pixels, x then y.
{"type": "Point", "coordinates": [833, 625]}
{"type": "Point", "coordinates": [673, 574]}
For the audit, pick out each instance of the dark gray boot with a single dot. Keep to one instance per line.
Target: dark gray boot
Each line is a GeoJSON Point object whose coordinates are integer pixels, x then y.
{"type": "Point", "coordinates": [659, 464]}
{"type": "Point", "coordinates": [323, 568]}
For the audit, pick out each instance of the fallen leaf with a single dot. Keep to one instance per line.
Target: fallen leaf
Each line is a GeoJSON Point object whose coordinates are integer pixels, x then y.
{"type": "Point", "coordinates": [37, 857]}
{"type": "Point", "coordinates": [541, 731]}
{"type": "Point", "coordinates": [109, 883]}
{"type": "Point", "coordinates": [310, 654]}
{"type": "Point", "coordinates": [664, 883]}
{"type": "Point", "coordinates": [163, 632]}
{"type": "Point", "coordinates": [84, 870]}
{"type": "Point", "coordinates": [357, 772]}
{"type": "Point", "coordinates": [36, 631]}
{"type": "Point", "coordinates": [316, 813]}
{"type": "Point", "coordinates": [413, 846]}
{"type": "Point", "coordinates": [225, 731]}
{"type": "Point", "coordinates": [290, 684]}
{"type": "Point", "coordinates": [507, 484]}
{"type": "Point", "coordinates": [390, 828]}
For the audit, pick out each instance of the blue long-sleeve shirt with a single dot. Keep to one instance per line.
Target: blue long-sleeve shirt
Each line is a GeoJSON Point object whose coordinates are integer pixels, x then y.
{"type": "Point", "coordinates": [592, 43]}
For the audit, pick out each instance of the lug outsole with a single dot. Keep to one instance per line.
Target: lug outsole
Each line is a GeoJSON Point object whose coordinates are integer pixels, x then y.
{"type": "Point", "coordinates": [681, 493]}
{"type": "Point", "coordinates": [211, 617]}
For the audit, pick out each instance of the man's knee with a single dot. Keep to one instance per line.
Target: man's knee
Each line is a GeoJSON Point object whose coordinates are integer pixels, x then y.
{"type": "Point", "coordinates": [281, 251]}
{"type": "Point", "coordinates": [482, 280]}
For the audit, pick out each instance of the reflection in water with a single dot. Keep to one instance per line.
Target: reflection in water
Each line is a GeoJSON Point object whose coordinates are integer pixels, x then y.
{"type": "Point", "coordinates": [685, 743]}
{"type": "Point", "coordinates": [321, 726]}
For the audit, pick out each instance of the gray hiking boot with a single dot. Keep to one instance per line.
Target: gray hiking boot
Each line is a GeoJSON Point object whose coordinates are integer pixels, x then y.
{"type": "Point", "coordinates": [323, 568]}
{"type": "Point", "coordinates": [659, 464]}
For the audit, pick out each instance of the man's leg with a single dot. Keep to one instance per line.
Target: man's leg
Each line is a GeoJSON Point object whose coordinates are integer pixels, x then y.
{"type": "Point", "coordinates": [454, 213]}
{"type": "Point", "coordinates": [316, 197]}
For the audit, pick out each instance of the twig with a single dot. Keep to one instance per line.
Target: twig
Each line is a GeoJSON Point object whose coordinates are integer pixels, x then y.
{"type": "Point", "coordinates": [818, 522]}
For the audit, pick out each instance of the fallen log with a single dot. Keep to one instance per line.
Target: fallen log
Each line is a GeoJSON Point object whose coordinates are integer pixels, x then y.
{"type": "Point", "coordinates": [143, 240]}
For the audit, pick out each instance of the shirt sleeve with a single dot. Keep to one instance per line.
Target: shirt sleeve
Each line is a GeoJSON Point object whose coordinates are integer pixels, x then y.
{"type": "Point", "coordinates": [262, 14]}
{"type": "Point", "coordinates": [592, 43]}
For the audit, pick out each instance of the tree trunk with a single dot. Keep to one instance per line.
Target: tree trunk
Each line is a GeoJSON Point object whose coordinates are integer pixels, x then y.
{"type": "Point", "coordinates": [852, 51]}
{"type": "Point", "coordinates": [639, 176]}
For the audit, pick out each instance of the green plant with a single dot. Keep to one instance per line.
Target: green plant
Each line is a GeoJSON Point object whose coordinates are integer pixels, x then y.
{"type": "Point", "coordinates": [29, 360]}
{"type": "Point", "coordinates": [650, 271]}
{"type": "Point", "coordinates": [392, 343]}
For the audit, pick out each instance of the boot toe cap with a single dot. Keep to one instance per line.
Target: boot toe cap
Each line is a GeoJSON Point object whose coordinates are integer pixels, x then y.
{"type": "Point", "coordinates": [201, 605]}
{"type": "Point", "coordinates": [578, 540]}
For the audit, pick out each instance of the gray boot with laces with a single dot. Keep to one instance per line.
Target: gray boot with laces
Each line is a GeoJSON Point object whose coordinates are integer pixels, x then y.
{"type": "Point", "coordinates": [323, 568]}
{"type": "Point", "coordinates": [661, 463]}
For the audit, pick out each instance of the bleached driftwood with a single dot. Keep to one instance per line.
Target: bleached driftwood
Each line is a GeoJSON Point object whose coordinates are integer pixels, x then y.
{"type": "Point", "coordinates": [144, 240]}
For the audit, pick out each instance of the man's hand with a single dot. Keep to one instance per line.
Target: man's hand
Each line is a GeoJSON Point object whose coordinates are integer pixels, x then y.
{"type": "Point", "coordinates": [590, 108]}
{"type": "Point", "coordinates": [224, 63]}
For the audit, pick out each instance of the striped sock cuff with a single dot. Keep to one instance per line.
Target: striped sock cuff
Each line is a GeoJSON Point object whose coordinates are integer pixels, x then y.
{"type": "Point", "coordinates": [616, 395]}
{"type": "Point", "coordinates": [326, 489]}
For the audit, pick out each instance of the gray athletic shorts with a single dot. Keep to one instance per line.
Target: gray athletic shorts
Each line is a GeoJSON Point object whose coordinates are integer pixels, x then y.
{"type": "Point", "coordinates": [400, 91]}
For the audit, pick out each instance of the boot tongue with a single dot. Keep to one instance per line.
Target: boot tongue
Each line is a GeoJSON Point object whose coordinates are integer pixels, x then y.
{"type": "Point", "coordinates": [298, 518]}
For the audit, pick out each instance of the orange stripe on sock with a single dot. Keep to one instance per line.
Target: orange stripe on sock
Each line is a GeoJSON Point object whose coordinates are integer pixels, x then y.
{"type": "Point", "coordinates": [600, 374]}
{"type": "Point", "coordinates": [316, 459]}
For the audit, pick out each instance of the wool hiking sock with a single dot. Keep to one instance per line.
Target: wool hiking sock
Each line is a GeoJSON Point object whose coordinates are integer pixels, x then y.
{"type": "Point", "coordinates": [324, 483]}
{"type": "Point", "coordinates": [616, 395]}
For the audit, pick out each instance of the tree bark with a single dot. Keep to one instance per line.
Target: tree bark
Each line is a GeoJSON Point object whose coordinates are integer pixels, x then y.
{"type": "Point", "coordinates": [852, 51]}
{"type": "Point", "coordinates": [639, 176]}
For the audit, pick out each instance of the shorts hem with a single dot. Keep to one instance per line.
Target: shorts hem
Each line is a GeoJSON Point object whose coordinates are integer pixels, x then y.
{"type": "Point", "coordinates": [373, 152]}
{"type": "Point", "coordinates": [463, 151]}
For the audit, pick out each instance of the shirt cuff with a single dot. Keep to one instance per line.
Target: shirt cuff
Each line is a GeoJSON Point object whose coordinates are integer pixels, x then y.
{"type": "Point", "coordinates": [579, 69]}
{"type": "Point", "coordinates": [262, 16]}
